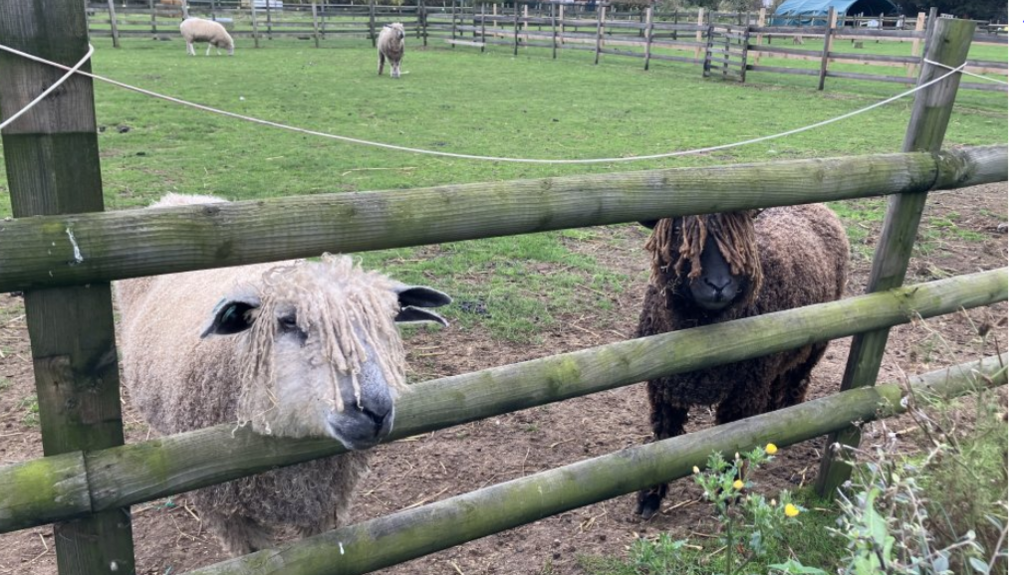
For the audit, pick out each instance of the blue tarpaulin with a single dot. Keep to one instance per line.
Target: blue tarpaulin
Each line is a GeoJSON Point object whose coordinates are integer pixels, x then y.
{"type": "Point", "coordinates": [815, 12]}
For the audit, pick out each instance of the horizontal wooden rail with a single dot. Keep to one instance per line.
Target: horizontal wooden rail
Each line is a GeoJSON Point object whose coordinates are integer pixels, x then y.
{"type": "Point", "coordinates": [978, 66]}
{"type": "Point", "coordinates": [778, 70]}
{"type": "Point", "coordinates": [48, 251]}
{"type": "Point", "coordinates": [842, 31]}
{"type": "Point", "coordinates": [59, 488]}
{"type": "Point", "coordinates": [406, 535]}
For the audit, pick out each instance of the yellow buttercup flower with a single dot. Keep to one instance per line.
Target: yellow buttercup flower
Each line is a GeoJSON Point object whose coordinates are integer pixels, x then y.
{"type": "Point", "coordinates": [791, 510]}
{"type": "Point", "coordinates": [770, 449]}
{"type": "Point", "coordinates": [737, 485]}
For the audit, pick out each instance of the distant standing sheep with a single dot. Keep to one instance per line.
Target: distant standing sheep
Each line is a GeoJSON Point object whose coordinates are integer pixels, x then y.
{"type": "Point", "coordinates": [199, 30]}
{"type": "Point", "coordinates": [719, 267]}
{"type": "Point", "coordinates": [391, 45]}
{"type": "Point", "coordinates": [298, 349]}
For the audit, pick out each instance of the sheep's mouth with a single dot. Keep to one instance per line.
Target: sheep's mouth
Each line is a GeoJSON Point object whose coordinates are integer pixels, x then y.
{"type": "Point", "coordinates": [359, 430]}
{"type": "Point", "coordinates": [716, 303]}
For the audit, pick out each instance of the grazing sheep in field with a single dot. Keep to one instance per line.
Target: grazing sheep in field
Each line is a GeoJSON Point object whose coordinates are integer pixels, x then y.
{"type": "Point", "coordinates": [299, 349]}
{"type": "Point", "coordinates": [391, 44]}
{"type": "Point", "coordinates": [718, 267]}
{"type": "Point", "coordinates": [199, 30]}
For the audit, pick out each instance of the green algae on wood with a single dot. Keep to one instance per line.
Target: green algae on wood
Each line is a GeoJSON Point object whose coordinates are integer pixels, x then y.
{"type": "Point", "coordinates": [158, 468]}
{"type": "Point", "coordinates": [141, 242]}
{"type": "Point", "coordinates": [406, 535]}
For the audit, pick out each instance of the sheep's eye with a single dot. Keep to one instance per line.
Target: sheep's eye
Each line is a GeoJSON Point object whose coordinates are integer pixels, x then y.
{"type": "Point", "coordinates": [287, 323]}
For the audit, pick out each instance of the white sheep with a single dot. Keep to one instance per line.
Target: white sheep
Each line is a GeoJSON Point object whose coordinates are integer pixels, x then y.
{"type": "Point", "coordinates": [391, 45]}
{"type": "Point", "coordinates": [298, 349]}
{"type": "Point", "coordinates": [199, 30]}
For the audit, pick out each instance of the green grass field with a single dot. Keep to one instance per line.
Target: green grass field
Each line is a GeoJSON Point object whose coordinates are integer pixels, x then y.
{"type": "Point", "coordinates": [459, 100]}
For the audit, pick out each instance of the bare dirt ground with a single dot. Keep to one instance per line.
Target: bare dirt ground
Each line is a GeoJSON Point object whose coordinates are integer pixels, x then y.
{"type": "Point", "coordinates": [170, 539]}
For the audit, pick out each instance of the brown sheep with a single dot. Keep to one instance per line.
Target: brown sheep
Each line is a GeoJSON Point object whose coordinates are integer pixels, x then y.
{"type": "Point", "coordinates": [757, 263]}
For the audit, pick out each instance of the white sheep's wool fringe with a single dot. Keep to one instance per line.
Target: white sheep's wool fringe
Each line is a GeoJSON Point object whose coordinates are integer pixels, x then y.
{"type": "Point", "coordinates": [342, 313]}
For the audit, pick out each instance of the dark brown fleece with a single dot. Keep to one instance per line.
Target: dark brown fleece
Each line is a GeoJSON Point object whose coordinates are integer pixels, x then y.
{"type": "Point", "coordinates": [802, 255]}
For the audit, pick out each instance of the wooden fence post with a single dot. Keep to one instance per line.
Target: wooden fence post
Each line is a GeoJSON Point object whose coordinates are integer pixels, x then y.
{"type": "Point", "coordinates": [113, 24]}
{"type": "Point", "coordinates": [266, 8]}
{"type": "Point", "coordinates": [152, 19]}
{"type": "Point", "coordinates": [483, 27]}
{"type": "Point", "coordinates": [316, 26]}
{"type": "Point", "coordinates": [373, 24]}
{"type": "Point", "coordinates": [53, 167]}
{"type": "Point", "coordinates": [830, 24]}
{"type": "Point", "coordinates": [561, 22]}
{"type": "Point", "coordinates": [929, 28]}
{"type": "Point", "coordinates": [745, 54]}
{"type": "Point", "coordinates": [554, 33]}
{"type": "Point", "coordinates": [515, 28]}
{"type": "Point", "coordinates": [649, 33]}
{"type": "Point", "coordinates": [255, 29]}
{"type": "Point", "coordinates": [600, 33]}
{"type": "Point", "coordinates": [948, 45]}
{"type": "Point", "coordinates": [915, 47]}
{"type": "Point", "coordinates": [526, 23]}
{"type": "Point", "coordinates": [710, 41]}
{"type": "Point", "coordinates": [422, 15]}
{"type": "Point", "coordinates": [700, 37]}
{"type": "Point", "coordinates": [762, 17]}
{"type": "Point", "coordinates": [454, 10]}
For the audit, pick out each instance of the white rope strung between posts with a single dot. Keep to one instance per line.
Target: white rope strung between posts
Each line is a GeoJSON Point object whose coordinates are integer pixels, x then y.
{"type": "Point", "coordinates": [488, 158]}
{"type": "Point", "coordinates": [47, 91]}
{"type": "Point", "coordinates": [965, 72]}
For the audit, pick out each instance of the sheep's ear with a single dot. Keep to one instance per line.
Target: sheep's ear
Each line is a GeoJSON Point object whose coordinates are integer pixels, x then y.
{"type": "Point", "coordinates": [410, 314]}
{"type": "Point", "coordinates": [649, 224]}
{"type": "Point", "coordinates": [231, 315]}
{"type": "Point", "coordinates": [421, 296]}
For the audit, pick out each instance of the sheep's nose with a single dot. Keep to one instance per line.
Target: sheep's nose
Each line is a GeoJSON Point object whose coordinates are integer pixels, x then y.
{"type": "Point", "coordinates": [379, 416]}
{"type": "Point", "coordinates": [718, 288]}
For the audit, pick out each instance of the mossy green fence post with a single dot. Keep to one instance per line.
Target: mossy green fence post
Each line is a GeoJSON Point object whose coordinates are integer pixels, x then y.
{"type": "Point", "coordinates": [53, 167]}
{"type": "Point", "coordinates": [948, 45]}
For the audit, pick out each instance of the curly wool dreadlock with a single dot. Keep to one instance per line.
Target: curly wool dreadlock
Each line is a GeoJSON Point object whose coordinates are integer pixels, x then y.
{"type": "Point", "coordinates": [677, 242]}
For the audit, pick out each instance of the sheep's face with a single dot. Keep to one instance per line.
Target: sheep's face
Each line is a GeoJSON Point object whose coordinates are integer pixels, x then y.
{"type": "Point", "coordinates": [710, 261]}
{"type": "Point", "coordinates": [399, 29]}
{"type": "Point", "coordinates": [322, 352]}
{"type": "Point", "coordinates": [715, 287]}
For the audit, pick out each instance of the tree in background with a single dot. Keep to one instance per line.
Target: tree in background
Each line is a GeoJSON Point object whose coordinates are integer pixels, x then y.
{"type": "Point", "coordinates": [991, 10]}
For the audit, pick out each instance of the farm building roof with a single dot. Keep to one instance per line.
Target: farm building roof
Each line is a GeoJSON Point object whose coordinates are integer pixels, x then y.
{"type": "Point", "coordinates": [813, 12]}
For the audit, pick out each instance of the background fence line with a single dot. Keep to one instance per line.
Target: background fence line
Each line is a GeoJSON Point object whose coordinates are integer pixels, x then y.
{"type": "Point", "coordinates": [670, 34]}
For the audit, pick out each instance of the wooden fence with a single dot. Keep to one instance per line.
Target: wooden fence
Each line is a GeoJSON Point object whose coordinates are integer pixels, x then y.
{"type": "Point", "coordinates": [64, 252]}
{"type": "Point", "coordinates": [726, 45]}
{"type": "Point", "coordinates": [723, 44]}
